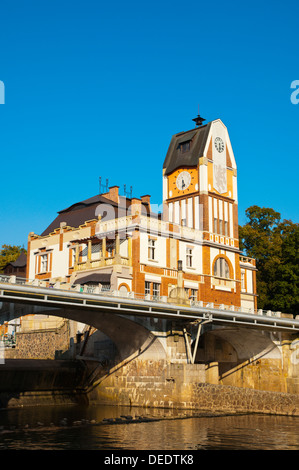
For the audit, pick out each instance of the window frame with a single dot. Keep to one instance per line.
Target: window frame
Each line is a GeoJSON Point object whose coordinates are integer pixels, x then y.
{"type": "Point", "coordinates": [156, 290]}
{"type": "Point", "coordinates": [147, 288]}
{"type": "Point", "coordinates": [189, 257]}
{"type": "Point", "coordinates": [44, 262]}
{"type": "Point", "coordinates": [151, 249]}
{"type": "Point", "coordinates": [221, 268]}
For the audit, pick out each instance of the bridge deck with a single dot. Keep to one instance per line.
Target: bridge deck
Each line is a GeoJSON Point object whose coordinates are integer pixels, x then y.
{"type": "Point", "coordinates": [20, 292]}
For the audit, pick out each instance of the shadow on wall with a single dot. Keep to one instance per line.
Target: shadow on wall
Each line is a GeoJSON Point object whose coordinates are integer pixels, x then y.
{"type": "Point", "coordinates": [242, 357]}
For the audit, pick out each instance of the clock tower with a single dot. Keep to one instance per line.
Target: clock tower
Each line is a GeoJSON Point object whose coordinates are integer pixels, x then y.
{"type": "Point", "coordinates": [200, 193]}
{"type": "Point", "coordinates": [200, 180]}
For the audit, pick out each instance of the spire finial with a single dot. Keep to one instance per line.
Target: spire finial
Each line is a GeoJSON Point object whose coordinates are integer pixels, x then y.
{"type": "Point", "coordinates": [198, 120]}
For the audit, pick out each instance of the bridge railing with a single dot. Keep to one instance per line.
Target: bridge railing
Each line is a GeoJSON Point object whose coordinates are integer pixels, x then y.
{"type": "Point", "coordinates": [104, 291]}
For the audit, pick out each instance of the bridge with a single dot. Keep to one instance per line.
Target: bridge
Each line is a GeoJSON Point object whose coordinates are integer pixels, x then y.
{"type": "Point", "coordinates": [17, 290]}
{"type": "Point", "coordinates": [161, 337]}
{"type": "Point", "coordinates": [133, 322]}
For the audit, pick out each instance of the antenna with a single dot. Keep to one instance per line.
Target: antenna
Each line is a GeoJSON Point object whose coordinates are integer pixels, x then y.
{"type": "Point", "coordinates": [102, 187]}
{"type": "Point", "coordinates": [128, 193]}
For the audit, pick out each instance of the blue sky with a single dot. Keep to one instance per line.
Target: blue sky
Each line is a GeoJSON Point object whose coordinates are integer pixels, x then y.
{"type": "Point", "coordinates": [97, 89]}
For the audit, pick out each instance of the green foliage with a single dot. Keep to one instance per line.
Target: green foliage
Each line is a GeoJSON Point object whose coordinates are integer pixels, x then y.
{"type": "Point", "coordinates": [274, 245]}
{"type": "Point", "coordinates": [9, 253]}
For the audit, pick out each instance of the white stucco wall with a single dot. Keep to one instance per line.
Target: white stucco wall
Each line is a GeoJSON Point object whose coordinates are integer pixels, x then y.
{"type": "Point", "coordinates": [160, 250]}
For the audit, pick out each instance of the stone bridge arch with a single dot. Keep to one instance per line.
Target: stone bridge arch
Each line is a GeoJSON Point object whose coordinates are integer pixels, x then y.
{"type": "Point", "coordinates": [242, 357]}
{"type": "Point", "coordinates": [129, 336]}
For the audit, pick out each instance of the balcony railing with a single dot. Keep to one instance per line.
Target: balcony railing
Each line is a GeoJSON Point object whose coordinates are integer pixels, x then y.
{"type": "Point", "coordinates": [101, 262]}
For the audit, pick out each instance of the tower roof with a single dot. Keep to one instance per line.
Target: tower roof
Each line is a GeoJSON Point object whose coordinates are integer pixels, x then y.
{"type": "Point", "coordinates": [175, 158]}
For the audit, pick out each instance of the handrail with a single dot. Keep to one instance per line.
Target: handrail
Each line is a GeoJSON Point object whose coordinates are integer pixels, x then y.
{"type": "Point", "coordinates": [13, 280]}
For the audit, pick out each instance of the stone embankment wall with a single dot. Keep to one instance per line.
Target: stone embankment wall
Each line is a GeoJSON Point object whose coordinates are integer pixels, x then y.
{"type": "Point", "coordinates": [183, 386]}
{"type": "Point", "coordinates": [50, 343]}
{"type": "Point", "coordinates": [234, 399]}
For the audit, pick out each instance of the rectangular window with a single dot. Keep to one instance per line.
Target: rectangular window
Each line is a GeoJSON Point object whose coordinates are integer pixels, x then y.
{"type": "Point", "coordinates": [73, 257]}
{"type": "Point", "coordinates": [156, 290]}
{"type": "Point", "coordinates": [193, 295]}
{"type": "Point", "coordinates": [189, 256]}
{"type": "Point", "coordinates": [44, 263]}
{"type": "Point", "coordinates": [221, 226]}
{"type": "Point", "coordinates": [215, 225]}
{"type": "Point", "coordinates": [152, 288]}
{"type": "Point", "coordinates": [226, 228]}
{"type": "Point", "coordinates": [243, 286]}
{"type": "Point", "coordinates": [151, 248]}
{"type": "Point", "coordinates": [147, 288]}
{"type": "Point", "coordinates": [170, 212]}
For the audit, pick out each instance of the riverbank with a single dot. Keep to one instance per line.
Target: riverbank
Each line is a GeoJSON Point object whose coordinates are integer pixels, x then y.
{"type": "Point", "coordinates": [44, 382]}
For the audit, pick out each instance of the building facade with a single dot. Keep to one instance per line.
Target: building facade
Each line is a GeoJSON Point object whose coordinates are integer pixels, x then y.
{"type": "Point", "coordinates": [110, 242]}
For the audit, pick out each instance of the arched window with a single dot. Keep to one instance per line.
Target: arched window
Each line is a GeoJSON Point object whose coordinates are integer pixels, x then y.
{"type": "Point", "coordinates": [221, 268]}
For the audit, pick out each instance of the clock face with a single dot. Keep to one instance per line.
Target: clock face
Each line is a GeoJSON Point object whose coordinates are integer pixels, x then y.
{"type": "Point", "coordinates": [183, 180]}
{"type": "Point", "coordinates": [219, 144]}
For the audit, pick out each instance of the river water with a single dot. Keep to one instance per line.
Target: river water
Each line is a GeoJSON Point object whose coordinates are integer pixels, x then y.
{"type": "Point", "coordinates": [83, 428]}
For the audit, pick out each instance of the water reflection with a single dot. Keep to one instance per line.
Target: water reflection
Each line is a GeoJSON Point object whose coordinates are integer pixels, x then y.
{"type": "Point", "coordinates": [54, 428]}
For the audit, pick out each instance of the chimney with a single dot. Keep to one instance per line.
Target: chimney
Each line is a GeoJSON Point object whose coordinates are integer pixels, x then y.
{"type": "Point", "coordinates": [113, 194]}
{"type": "Point", "coordinates": [135, 206]}
{"type": "Point", "coordinates": [146, 200]}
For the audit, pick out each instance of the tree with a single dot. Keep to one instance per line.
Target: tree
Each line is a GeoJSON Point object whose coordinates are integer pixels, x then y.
{"type": "Point", "coordinates": [274, 245]}
{"type": "Point", "coordinates": [9, 253]}
{"type": "Point", "coordinates": [285, 286]}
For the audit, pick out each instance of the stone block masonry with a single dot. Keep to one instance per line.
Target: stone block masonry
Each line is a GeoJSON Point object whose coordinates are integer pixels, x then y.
{"type": "Point", "coordinates": [244, 400]}
{"type": "Point", "coordinates": [182, 386]}
{"type": "Point", "coordinates": [41, 344]}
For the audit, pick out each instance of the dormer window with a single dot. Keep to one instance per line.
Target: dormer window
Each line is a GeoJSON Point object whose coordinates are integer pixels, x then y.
{"type": "Point", "coordinates": [185, 146]}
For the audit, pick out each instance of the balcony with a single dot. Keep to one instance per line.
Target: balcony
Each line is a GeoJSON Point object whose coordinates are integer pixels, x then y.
{"type": "Point", "coordinates": [104, 253]}
{"type": "Point", "coordinates": [246, 261]}
{"type": "Point", "coordinates": [102, 263]}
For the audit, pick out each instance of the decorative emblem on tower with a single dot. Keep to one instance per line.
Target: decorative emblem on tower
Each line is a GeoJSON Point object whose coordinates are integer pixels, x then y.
{"type": "Point", "coordinates": [219, 159]}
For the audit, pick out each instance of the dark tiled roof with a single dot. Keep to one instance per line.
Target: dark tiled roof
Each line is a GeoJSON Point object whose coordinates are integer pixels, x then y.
{"type": "Point", "coordinates": [175, 158]}
{"type": "Point", "coordinates": [20, 262]}
{"type": "Point", "coordinates": [89, 209]}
